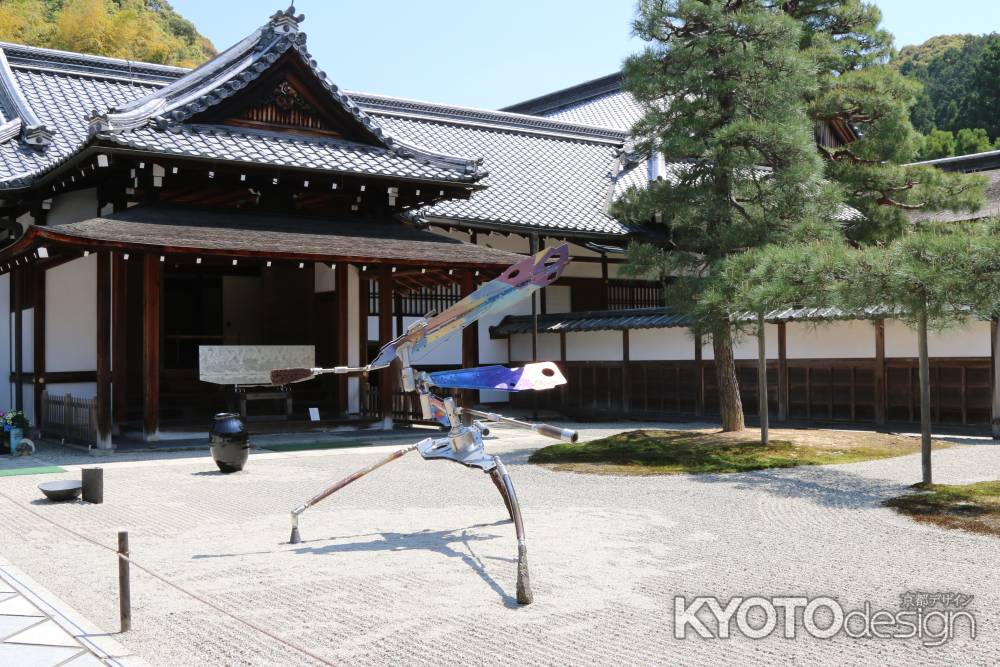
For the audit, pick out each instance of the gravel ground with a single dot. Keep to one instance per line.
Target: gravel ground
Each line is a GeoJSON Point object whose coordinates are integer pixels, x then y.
{"type": "Point", "coordinates": [416, 563]}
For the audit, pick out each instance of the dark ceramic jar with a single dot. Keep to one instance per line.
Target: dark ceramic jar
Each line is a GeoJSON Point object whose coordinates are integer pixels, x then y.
{"type": "Point", "coordinates": [230, 442]}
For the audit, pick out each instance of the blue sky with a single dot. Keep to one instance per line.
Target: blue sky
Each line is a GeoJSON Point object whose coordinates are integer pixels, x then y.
{"type": "Point", "coordinates": [492, 53]}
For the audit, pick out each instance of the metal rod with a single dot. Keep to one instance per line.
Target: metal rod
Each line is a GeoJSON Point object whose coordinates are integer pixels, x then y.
{"type": "Point", "coordinates": [124, 583]}
{"type": "Point", "coordinates": [524, 594]}
{"type": "Point", "coordinates": [564, 434]}
{"type": "Point", "coordinates": [333, 488]}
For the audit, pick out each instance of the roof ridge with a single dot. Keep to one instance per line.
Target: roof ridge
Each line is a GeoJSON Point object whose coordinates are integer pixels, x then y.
{"type": "Point", "coordinates": [569, 96]}
{"type": "Point", "coordinates": [86, 64]}
{"type": "Point", "coordinates": [20, 117]}
{"type": "Point", "coordinates": [240, 66]}
{"type": "Point", "coordinates": [390, 105]}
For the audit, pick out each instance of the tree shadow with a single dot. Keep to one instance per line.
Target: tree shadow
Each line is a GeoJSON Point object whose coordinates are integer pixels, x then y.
{"type": "Point", "coordinates": [821, 485]}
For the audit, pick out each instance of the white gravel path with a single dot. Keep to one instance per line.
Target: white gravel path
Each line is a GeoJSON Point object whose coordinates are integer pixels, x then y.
{"type": "Point", "coordinates": [416, 564]}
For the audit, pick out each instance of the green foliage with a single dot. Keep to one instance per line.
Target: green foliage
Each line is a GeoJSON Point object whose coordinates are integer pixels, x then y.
{"type": "Point", "coordinates": [972, 141]}
{"type": "Point", "coordinates": [939, 143]}
{"type": "Point", "coordinates": [147, 30]}
{"type": "Point", "coordinates": [724, 86]}
{"type": "Point", "coordinates": [961, 79]}
{"type": "Point", "coordinates": [872, 97]}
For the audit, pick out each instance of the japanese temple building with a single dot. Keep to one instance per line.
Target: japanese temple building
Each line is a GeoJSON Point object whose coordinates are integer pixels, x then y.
{"type": "Point", "coordinates": [149, 210]}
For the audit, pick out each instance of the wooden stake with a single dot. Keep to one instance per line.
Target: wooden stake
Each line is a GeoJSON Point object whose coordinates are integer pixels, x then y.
{"type": "Point", "coordinates": [124, 584]}
{"type": "Point", "coordinates": [925, 396]}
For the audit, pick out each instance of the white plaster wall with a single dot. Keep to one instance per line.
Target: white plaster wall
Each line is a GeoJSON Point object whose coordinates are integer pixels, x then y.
{"type": "Point", "coordinates": [71, 316]}
{"type": "Point", "coordinates": [583, 270]}
{"type": "Point", "coordinates": [77, 389]}
{"type": "Point", "coordinates": [548, 347]}
{"type": "Point", "coordinates": [971, 339]}
{"type": "Point", "coordinates": [325, 279]}
{"type": "Point", "coordinates": [353, 336]}
{"type": "Point", "coordinates": [73, 207]}
{"type": "Point", "coordinates": [495, 351]}
{"type": "Point", "coordinates": [594, 346]}
{"type": "Point", "coordinates": [557, 299]}
{"type": "Point", "coordinates": [660, 344]}
{"type": "Point", "coordinates": [854, 339]}
{"type": "Point", "coordinates": [500, 242]}
{"type": "Point", "coordinates": [745, 345]}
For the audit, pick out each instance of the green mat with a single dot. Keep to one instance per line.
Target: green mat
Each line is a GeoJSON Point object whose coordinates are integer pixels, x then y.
{"type": "Point", "coordinates": [304, 446]}
{"type": "Point", "coordinates": [37, 470]}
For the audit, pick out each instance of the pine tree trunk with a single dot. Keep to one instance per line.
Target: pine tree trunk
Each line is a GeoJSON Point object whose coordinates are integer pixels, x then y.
{"type": "Point", "coordinates": [730, 405]}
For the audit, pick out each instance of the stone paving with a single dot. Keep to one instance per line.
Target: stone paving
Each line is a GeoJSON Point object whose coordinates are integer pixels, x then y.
{"type": "Point", "coordinates": [38, 630]}
{"type": "Point", "coordinates": [416, 563]}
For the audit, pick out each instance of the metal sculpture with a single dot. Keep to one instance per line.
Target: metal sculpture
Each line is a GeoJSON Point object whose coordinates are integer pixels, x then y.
{"type": "Point", "coordinates": [463, 442]}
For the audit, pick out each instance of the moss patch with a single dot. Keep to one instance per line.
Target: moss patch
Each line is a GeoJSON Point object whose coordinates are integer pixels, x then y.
{"type": "Point", "coordinates": [305, 446]}
{"type": "Point", "coordinates": [971, 507]}
{"type": "Point", "coordinates": [36, 470]}
{"type": "Point", "coordinates": [655, 452]}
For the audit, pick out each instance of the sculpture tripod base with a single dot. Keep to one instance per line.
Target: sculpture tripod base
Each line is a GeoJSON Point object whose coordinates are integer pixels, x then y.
{"type": "Point", "coordinates": [491, 465]}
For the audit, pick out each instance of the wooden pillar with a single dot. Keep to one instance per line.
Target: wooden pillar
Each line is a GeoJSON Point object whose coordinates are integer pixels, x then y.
{"type": "Point", "coordinates": [38, 345]}
{"type": "Point", "coordinates": [387, 380]}
{"type": "Point", "coordinates": [343, 317]}
{"type": "Point", "coordinates": [782, 372]}
{"type": "Point", "coordinates": [699, 379]}
{"type": "Point", "coordinates": [995, 379]}
{"type": "Point", "coordinates": [119, 346]}
{"type": "Point", "coordinates": [152, 275]}
{"type": "Point", "coordinates": [605, 283]}
{"type": "Point", "coordinates": [16, 278]}
{"type": "Point", "coordinates": [626, 385]}
{"type": "Point", "coordinates": [879, 372]}
{"type": "Point", "coordinates": [103, 349]}
{"type": "Point", "coordinates": [364, 388]}
{"type": "Point", "coordinates": [470, 343]}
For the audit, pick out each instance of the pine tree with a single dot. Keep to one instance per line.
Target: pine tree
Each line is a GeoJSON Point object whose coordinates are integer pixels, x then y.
{"type": "Point", "coordinates": [859, 90]}
{"type": "Point", "coordinates": [724, 85]}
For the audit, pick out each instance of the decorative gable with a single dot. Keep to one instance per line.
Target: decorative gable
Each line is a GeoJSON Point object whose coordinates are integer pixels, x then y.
{"type": "Point", "coordinates": [283, 108]}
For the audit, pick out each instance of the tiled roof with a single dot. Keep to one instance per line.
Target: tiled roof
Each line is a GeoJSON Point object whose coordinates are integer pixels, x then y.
{"type": "Point", "coordinates": [62, 102]}
{"type": "Point", "coordinates": [215, 232]}
{"type": "Point", "coordinates": [615, 109]}
{"type": "Point", "coordinates": [600, 102]}
{"type": "Point", "coordinates": [553, 183]}
{"type": "Point", "coordinates": [233, 144]}
{"type": "Point", "coordinates": [543, 174]}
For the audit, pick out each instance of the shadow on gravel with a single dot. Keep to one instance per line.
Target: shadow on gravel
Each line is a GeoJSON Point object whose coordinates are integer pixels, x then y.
{"type": "Point", "coordinates": [444, 542]}
{"type": "Point", "coordinates": [821, 485]}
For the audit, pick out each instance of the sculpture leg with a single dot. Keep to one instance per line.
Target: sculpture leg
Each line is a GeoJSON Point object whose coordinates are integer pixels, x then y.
{"type": "Point", "coordinates": [498, 482]}
{"type": "Point", "coordinates": [330, 490]}
{"type": "Point", "coordinates": [524, 595]}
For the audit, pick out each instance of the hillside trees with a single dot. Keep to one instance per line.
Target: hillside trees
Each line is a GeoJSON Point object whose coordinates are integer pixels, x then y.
{"type": "Point", "coordinates": [133, 29]}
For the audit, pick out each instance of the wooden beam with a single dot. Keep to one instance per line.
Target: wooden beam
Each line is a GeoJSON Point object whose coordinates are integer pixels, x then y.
{"type": "Point", "coordinates": [385, 301]}
{"type": "Point", "coordinates": [38, 346]}
{"type": "Point", "coordinates": [879, 372]}
{"type": "Point", "coordinates": [151, 287]}
{"type": "Point", "coordinates": [119, 336]}
{"type": "Point", "coordinates": [342, 297]}
{"type": "Point", "coordinates": [104, 350]}
{"type": "Point", "coordinates": [782, 372]}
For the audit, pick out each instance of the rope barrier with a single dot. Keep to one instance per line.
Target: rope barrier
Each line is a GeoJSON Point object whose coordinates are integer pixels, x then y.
{"type": "Point", "coordinates": [178, 587]}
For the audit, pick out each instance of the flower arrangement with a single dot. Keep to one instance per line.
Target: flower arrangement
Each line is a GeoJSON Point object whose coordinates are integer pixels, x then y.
{"type": "Point", "coordinates": [13, 419]}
